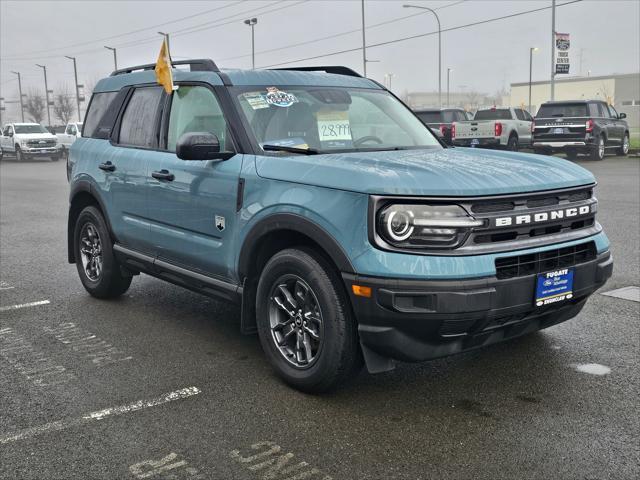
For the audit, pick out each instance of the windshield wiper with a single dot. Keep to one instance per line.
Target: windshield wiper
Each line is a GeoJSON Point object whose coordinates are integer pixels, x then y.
{"type": "Point", "coordinates": [283, 148]}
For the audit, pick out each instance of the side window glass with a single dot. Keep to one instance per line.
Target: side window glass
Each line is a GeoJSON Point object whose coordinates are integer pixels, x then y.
{"type": "Point", "coordinates": [72, 130]}
{"type": "Point", "coordinates": [614, 114]}
{"type": "Point", "coordinates": [602, 111]}
{"type": "Point", "coordinates": [196, 109]}
{"type": "Point", "coordinates": [99, 104]}
{"type": "Point", "coordinates": [138, 126]}
{"type": "Point", "coordinates": [527, 116]}
{"type": "Point", "coordinates": [519, 114]}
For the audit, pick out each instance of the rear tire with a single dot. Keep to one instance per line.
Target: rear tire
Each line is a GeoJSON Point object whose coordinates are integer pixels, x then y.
{"type": "Point", "coordinates": [304, 321]}
{"type": "Point", "coordinates": [97, 266]}
{"type": "Point", "coordinates": [597, 151]}
{"type": "Point", "coordinates": [512, 144]}
{"type": "Point", "coordinates": [542, 151]}
{"type": "Point", "coordinates": [624, 148]}
{"type": "Point", "coordinates": [572, 154]}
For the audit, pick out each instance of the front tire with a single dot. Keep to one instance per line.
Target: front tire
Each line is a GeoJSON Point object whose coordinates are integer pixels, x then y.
{"type": "Point", "coordinates": [304, 321]}
{"type": "Point", "coordinates": [97, 266]}
{"type": "Point", "coordinates": [624, 148]}
{"type": "Point", "coordinates": [19, 155]}
{"type": "Point", "coordinates": [597, 151]}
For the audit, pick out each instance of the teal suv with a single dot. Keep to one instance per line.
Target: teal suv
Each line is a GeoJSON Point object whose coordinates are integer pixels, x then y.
{"type": "Point", "coordinates": [321, 204]}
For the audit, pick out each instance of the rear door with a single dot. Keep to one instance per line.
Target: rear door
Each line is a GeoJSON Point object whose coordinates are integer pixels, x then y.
{"type": "Point", "coordinates": [193, 211]}
{"type": "Point", "coordinates": [523, 126]}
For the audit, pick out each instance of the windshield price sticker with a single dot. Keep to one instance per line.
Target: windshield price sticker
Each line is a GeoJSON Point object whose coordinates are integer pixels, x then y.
{"type": "Point", "coordinates": [334, 126]}
{"type": "Point", "coordinates": [279, 98]}
{"type": "Point", "coordinates": [256, 100]}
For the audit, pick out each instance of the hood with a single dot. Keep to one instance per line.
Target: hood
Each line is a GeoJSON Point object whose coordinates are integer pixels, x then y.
{"type": "Point", "coordinates": [35, 136]}
{"type": "Point", "coordinates": [438, 172]}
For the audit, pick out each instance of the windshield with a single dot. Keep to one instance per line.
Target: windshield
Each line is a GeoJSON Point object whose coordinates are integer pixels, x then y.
{"type": "Point", "coordinates": [30, 129]}
{"type": "Point", "coordinates": [326, 119]}
{"type": "Point", "coordinates": [563, 110]}
{"type": "Point", "coordinates": [493, 114]}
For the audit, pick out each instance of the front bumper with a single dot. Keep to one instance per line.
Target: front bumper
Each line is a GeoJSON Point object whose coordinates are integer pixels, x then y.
{"type": "Point", "coordinates": [416, 320]}
{"type": "Point", "coordinates": [41, 151]}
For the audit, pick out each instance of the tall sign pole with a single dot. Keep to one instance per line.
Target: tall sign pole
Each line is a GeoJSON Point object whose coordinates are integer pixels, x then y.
{"type": "Point", "coordinates": [46, 91]}
{"type": "Point", "coordinates": [553, 49]}
{"type": "Point", "coordinates": [364, 44]}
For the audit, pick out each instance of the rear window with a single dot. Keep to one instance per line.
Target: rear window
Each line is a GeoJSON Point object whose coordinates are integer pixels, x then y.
{"type": "Point", "coordinates": [99, 104]}
{"type": "Point", "coordinates": [429, 117]}
{"type": "Point", "coordinates": [563, 110]}
{"type": "Point", "coordinates": [493, 114]}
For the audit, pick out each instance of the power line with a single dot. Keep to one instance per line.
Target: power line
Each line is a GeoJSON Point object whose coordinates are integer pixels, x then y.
{"type": "Point", "coordinates": [403, 39]}
{"type": "Point", "coordinates": [122, 34]}
{"type": "Point", "coordinates": [336, 35]}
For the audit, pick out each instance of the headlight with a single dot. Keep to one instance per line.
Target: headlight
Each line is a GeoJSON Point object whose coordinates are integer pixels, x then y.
{"type": "Point", "coordinates": [425, 226]}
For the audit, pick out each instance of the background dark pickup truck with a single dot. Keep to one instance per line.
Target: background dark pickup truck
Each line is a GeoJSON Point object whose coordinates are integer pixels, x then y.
{"type": "Point", "coordinates": [590, 127]}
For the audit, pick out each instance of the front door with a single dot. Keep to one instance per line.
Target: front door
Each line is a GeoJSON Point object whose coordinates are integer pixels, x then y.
{"type": "Point", "coordinates": [192, 209]}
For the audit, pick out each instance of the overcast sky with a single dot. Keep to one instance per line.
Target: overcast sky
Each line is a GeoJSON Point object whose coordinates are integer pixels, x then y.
{"type": "Point", "coordinates": [485, 57]}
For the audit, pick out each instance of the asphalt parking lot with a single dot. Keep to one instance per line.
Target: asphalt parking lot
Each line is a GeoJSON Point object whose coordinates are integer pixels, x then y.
{"type": "Point", "coordinates": [160, 384]}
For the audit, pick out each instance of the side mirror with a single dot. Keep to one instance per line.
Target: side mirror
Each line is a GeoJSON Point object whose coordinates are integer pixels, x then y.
{"type": "Point", "coordinates": [622, 115]}
{"type": "Point", "coordinates": [198, 146]}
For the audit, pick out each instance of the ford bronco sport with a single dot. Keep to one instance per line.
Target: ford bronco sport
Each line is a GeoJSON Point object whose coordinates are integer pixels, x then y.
{"type": "Point", "coordinates": [323, 206]}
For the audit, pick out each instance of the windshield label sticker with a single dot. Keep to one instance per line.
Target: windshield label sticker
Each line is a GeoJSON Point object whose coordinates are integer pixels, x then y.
{"type": "Point", "coordinates": [256, 100]}
{"type": "Point", "coordinates": [334, 126]}
{"type": "Point", "coordinates": [279, 98]}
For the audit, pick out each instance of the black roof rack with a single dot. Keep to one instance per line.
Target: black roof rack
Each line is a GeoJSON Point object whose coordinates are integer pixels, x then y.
{"type": "Point", "coordinates": [337, 69]}
{"type": "Point", "coordinates": [197, 65]}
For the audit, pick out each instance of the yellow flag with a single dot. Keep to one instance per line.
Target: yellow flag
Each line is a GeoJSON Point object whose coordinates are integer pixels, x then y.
{"type": "Point", "coordinates": [163, 68]}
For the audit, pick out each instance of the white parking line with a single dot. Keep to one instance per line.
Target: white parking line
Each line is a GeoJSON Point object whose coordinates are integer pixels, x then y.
{"type": "Point", "coordinates": [99, 415]}
{"type": "Point", "coordinates": [24, 305]}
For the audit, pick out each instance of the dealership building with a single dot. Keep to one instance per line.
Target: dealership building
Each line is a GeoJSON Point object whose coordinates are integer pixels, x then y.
{"type": "Point", "coordinates": [623, 91]}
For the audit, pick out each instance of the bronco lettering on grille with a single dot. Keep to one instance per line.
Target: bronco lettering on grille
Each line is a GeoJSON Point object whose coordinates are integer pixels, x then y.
{"type": "Point", "coordinates": [542, 216]}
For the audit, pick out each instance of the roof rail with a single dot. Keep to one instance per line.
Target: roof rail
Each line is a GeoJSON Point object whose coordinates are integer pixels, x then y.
{"type": "Point", "coordinates": [337, 69]}
{"type": "Point", "coordinates": [196, 65]}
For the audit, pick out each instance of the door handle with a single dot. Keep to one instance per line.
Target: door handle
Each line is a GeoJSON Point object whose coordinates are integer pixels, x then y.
{"type": "Point", "coordinates": [107, 166]}
{"type": "Point", "coordinates": [163, 175]}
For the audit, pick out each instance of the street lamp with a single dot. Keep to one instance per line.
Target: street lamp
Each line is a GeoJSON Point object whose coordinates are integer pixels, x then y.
{"type": "Point", "coordinates": [75, 74]}
{"type": "Point", "coordinates": [388, 77]}
{"type": "Point", "coordinates": [115, 57]}
{"type": "Point", "coordinates": [531, 50]}
{"type": "Point", "coordinates": [46, 91]}
{"type": "Point", "coordinates": [252, 23]}
{"type": "Point", "coordinates": [439, 47]}
{"type": "Point", "coordinates": [20, 92]}
{"type": "Point", "coordinates": [449, 70]}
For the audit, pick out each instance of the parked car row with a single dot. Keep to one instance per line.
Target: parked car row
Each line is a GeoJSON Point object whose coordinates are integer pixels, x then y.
{"type": "Point", "coordinates": [32, 140]}
{"type": "Point", "coordinates": [589, 127]}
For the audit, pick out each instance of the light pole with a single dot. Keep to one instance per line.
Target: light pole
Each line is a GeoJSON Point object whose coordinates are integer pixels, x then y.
{"type": "Point", "coordinates": [364, 43]}
{"type": "Point", "coordinates": [553, 49]}
{"type": "Point", "coordinates": [252, 23]}
{"type": "Point", "coordinates": [46, 91]}
{"type": "Point", "coordinates": [20, 93]}
{"type": "Point", "coordinates": [439, 47]}
{"type": "Point", "coordinates": [115, 57]}
{"type": "Point", "coordinates": [449, 70]}
{"type": "Point", "coordinates": [531, 50]}
{"type": "Point", "coordinates": [75, 74]}
{"type": "Point", "coordinates": [388, 77]}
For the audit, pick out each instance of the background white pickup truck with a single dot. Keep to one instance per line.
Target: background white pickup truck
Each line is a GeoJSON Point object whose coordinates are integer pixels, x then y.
{"type": "Point", "coordinates": [71, 133]}
{"type": "Point", "coordinates": [28, 140]}
{"type": "Point", "coordinates": [508, 128]}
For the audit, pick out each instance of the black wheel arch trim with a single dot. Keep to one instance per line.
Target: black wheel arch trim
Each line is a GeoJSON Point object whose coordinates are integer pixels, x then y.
{"type": "Point", "coordinates": [81, 187]}
{"type": "Point", "coordinates": [297, 223]}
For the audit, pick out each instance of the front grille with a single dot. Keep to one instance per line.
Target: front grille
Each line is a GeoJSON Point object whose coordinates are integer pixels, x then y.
{"type": "Point", "coordinates": [37, 143]}
{"type": "Point", "coordinates": [523, 265]}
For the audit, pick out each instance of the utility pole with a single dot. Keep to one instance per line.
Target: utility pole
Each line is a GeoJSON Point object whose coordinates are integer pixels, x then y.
{"type": "Point", "coordinates": [115, 57]}
{"type": "Point", "coordinates": [252, 23]}
{"type": "Point", "coordinates": [449, 70]}
{"type": "Point", "coordinates": [553, 49]}
{"type": "Point", "coordinates": [531, 50]}
{"type": "Point", "coordinates": [439, 47]}
{"type": "Point", "coordinates": [75, 74]}
{"type": "Point", "coordinates": [46, 91]}
{"type": "Point", "coordinates": [20, 93]}
{"type": "Point", "coordinates": [364, 43]}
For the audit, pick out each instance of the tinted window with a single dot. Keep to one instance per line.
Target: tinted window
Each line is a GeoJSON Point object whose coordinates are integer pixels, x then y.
{"type": "Point", "coordinates": [196, 109]}
{"type": "Point", "coordinates": [30, 129]}
{"type": "Point", "coordinates": [99, 104]}
{"type": "Point", "coordinates": [493, 114]}
{"type": "Point", "coordinates": [519, 114]}
{"type": "Point", "coordinates": [138, 127]}
{"type": "Point", "coordinates": [563, 110]}
{"type": "Point", "coordinates": [527, 116]}
{"type": "Point", "coordinates": [429, 117]}
{"type": "Point", "coordinates": [613, 112]}
{"type": "Point", "coordinates": [449, 116]}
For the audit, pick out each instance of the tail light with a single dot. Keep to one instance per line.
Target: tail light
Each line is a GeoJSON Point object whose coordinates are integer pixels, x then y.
{"type": "Point", "coordinates": [443, 128]}
{"type": "Point", "coordinates": [498, 129]}
{"type": "Point", "coordinates": [453, 130]}
{"type": "Point", "coordinates": [589, 126]}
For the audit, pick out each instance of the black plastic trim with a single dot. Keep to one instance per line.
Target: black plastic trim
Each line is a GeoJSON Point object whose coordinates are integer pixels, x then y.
{"type": "Point", "coordinates": [196, 65]}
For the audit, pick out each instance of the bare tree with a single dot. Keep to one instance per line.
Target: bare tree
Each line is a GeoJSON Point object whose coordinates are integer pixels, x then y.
{"type": "Point", "coordinates": [35, 106]}
{"type": "Point", "coordinates": [472, 99]}
{"type": "Point", "coordinates": [64, 104]}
